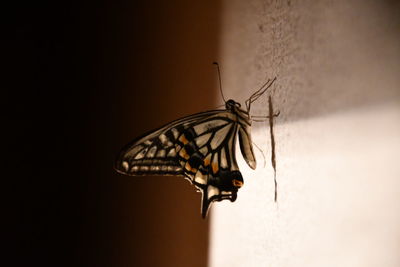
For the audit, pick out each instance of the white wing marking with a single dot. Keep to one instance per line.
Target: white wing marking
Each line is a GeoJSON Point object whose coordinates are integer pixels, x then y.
{"type": "Point", "coordinates": [220, 136]}
{"type": "Point", "coordinates": [202, 139]}
{"type": "Point", "coordinates": [151, 153]}
{"type": "Point", "coordinates": [223, 163]}
{"type": "Point", "coordinates": [200, 178]}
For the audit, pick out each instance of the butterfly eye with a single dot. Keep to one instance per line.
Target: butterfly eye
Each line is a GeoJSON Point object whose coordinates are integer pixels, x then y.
{"type": "Point", "coordinates": [237, 183]}
{"type": "Point", "coordinates": [232, 103]}
{"type": "Point", "coordinates": [229, 103]}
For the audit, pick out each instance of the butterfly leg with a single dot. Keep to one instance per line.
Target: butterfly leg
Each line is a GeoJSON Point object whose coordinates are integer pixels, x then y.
{"type": "Point", "coordinates": [262, 152]}
{"type": "Point", "coordinates": [264, 118]}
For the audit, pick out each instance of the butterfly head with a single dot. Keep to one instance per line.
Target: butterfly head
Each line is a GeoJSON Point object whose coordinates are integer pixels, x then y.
{"type": "Point", "coordinates": [232, 105]}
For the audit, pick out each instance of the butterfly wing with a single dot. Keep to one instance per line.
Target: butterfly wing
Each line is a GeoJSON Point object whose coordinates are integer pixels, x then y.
{"type": "Point", "coordinates": [200, 147]}
{"type": "Point", "coordinates": [156, 152]}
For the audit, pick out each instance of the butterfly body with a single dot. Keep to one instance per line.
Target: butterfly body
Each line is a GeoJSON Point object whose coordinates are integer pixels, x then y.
{"type": "Point", "coordinates": [200, 147]}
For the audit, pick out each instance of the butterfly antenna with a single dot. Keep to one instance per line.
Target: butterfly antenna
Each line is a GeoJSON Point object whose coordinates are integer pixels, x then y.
{"type": "Point", "coordinates": [219, 78]}
{"type": "Point", "coordinates": [259, 93]}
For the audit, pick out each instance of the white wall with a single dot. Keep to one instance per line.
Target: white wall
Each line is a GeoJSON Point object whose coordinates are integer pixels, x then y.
{"type": "Point", "coordinates": [337, 138]}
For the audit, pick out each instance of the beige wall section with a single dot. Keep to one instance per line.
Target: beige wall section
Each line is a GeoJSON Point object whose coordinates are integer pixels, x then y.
{"type": "Point", "coordinates": [337, 138]}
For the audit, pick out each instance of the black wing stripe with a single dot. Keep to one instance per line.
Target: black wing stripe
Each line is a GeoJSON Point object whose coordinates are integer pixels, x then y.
{"type": "Point", "coordinates": [177, 130]}
{"type": "Point", "coordinates": [196, 160]}
{"type": "Point", "coordinates": [170, 136]}
{"type": "Point", "coordinates": [190, 134]}
{"type": "Point", "coordinates": [209, 124]}
{"type": "Point", "coordinates": [213, 130]}
{"type": "Point", "coordinates": [190, 148]}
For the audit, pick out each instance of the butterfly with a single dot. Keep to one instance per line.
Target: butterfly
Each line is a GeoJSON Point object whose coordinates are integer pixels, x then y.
{"type": "Point", "coordinates": [200, 147]}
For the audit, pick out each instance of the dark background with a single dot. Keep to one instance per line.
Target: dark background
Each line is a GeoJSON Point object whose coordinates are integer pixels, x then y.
{"type": "Point", "coordinates": [81, 80]}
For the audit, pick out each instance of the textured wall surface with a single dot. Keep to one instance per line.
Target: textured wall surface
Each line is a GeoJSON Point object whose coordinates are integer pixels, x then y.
{"type": "Point", "coordinates": [337, 138]}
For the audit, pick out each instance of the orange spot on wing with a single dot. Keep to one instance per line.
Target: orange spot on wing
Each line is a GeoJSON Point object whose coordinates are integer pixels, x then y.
{"type": "Point", "coordinates": [183, 139]}
{"type": "Point", "coordinates": [214, 167]}
{"type": "Point", "coordinates": [183, 154]}
{"type": "Point", "coordinates": [189, 168]}
{"type": "Point", "coordinates": [237, 183]}
{"type": "Point", "coordinates": [207, 161]}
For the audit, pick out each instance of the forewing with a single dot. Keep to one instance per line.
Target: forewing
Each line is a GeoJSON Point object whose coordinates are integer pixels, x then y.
{"type": "Point", "coordinates": [156, 152]}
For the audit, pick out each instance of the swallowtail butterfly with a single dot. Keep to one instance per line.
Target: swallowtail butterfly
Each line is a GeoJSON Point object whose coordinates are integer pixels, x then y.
{"type": "Point", "coordinates": [200, 147]}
